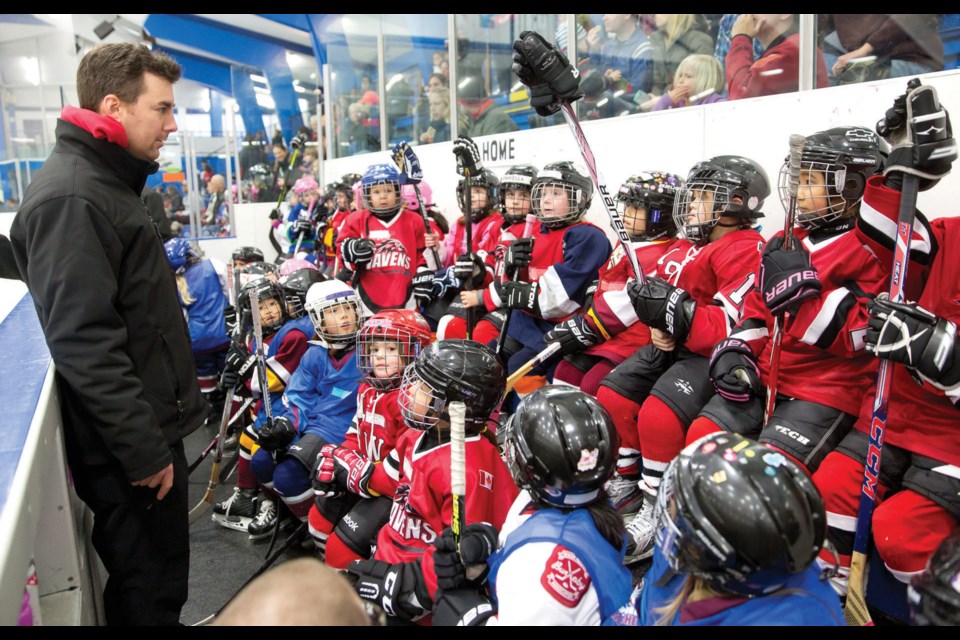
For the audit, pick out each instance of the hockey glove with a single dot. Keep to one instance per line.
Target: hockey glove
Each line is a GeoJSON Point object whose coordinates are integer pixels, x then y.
{"type": "Point", "coordinates": [468, 157]}
{"type": "Point", "coordinates": [423, 287]}
{"type": "Point", "coordinates": [276, 434]}
{"type": "Point", "coordinates": [298, 141]}
{"type": "Point", "coordinates": [574, 334]}
{"type": "Point", "coordinates": [518, 256]}
{"type": "Point", "coordinates": [660, 305]}
{"type": "Point", "coordinates": [350, 470]}
{"type": "Point", "coordinates": [547, 72]}
{"type": "Point", "coordinates": [408, 163]}
{"type": "Point", "coordinates": [469, 269]}
{"type": "Point", "coordinates": [588, 296]}
{"type": "Point", "coordinates": [734, 371]}
{"type": "Point", "coordinates": [445, 282]}
{"type": "Point", "coordinates": [519, 295]}
{"type": "Point", "coordinates": [398, 589]}
{"type": "Point", "coordinates": [786, 277]}
{"type": "Point", "coordinates": [238, 366]}
{"type": "Point", "coordinates": [910, 334]}
{"type": "Point", "coordinates": [358, 251]}
{"type": "Point", "coordinates": [302, 226]}
{"type": "Point", "coordinates": [467, 566]}
{"type": "Point", "coordinates": [462, 608]}
{"type": "Point", "coordinates": [274, 214]}
{"type": "Point", "coordinates": [325, 483]}
{"type": "Point", "coordinates": [918, 128]}
{"type": "Point", "coordinates": [230, 319]}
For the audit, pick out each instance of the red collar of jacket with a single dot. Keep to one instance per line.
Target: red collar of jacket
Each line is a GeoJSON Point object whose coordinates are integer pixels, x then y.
{"type": "Point", "coordinates": [98, 126]}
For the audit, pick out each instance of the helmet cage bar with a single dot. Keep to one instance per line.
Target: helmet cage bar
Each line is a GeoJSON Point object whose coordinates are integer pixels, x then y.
{"type": "Point", "coordinates": [339, 301]}
{"type": "Point", "coordinates": [692, 191]}
{"type": "Point", "coordinates": [409, 349]}
{"type": "Point", "coordinates": [415, 414]}
{"type": "Point", "coordinates": [834, 177]}
{"type": "Point", "coordinates": [382, 210]}
{"type": "Point", "coordinates": [576, 201]}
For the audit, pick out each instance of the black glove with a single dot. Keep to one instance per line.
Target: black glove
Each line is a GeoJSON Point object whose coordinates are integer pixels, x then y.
{"type": "Point", "coordinates": [574, 334]}
{"type": "Point", "coordinates": [462, 608]}
{"type": "Point", "coordinates": [442, 283]}
{"type": "Point", "coordinates": [469, 270]}
{"type": "Point", "coordinates": [519, 295]}
{"type": "Point", "coordinates": [304, 226]}
{"type": "Point", "coordinates": [230, 319]}
{"type": "Point", "coordinates": [276, 434]}
{"type": "Point", "coordinates": [910, 334]}
{"type": "Point", "coordinates": [467, 566]}
{"type": "Point", "coordinates": [408, 163]}
{"type": "Point", "coordinates": [237, 366]}
{"type": "Point", "coordinates": [660, 305]}
{"type": "Point", "coordinates": [274, 214]}
{"type": "Point", "coordinates": [358, 250]}
{"type": "Point", "coordinates": [423, 288]}
{"type": "Point", "coordinates": [518, 256]}
{"type": "Point", "coordinates": [547, 72]}
{"type": "Point", "coordinates": [298, 141]}
{"type": "Point", "coordinates": [468, 157]}
{"type": "Point", "coordinates": [786, 277]}
{"type": "Point", "coordinates": [734, 371]}
{"type": "Point", "coordinates": [397, 588]}
{"type": "Point", "coordinates": [918, 129]}
{"type": "Point", "coordinates": [588, 296]}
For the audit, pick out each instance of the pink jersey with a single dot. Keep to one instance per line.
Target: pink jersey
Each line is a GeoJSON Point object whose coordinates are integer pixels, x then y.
{"type": "Point", "coordinates": [386, 281]}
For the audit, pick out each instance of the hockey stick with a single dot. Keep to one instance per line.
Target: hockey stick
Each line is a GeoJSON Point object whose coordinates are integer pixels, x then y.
{"type": "Point", "coordinates": [296, 144]}
{"type": "Point", "coordinates": [855, 610]}
{"type": "Point", "coordinates": [291, 540]}
{"type": "Point", "coordinates": [203, 454]}
{"type": "Point", "coordinates": [458, 463]}
{"type": "Point", "coordinates": [469, 314]}
{"type": "Point", "coordinates": [544, 355]}
{"type": "Point", "coordinates": [796, 152]}
{"type": "Point", "coordinates": [206, 503]}
{"type": "Point", "coordinates": [433, 258]}
{"type": "Point", "coordinates": [527, 232]}
{"type": "Point", "coordinates": [616, 220]}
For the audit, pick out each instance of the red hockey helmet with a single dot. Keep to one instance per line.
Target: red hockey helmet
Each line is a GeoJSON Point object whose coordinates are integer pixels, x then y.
{"type": "Point", "coordinates": [381, 365]}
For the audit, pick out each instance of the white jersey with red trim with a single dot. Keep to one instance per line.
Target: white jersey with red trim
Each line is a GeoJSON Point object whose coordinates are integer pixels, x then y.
{"type": "Point", "coordinates": [386, 281]}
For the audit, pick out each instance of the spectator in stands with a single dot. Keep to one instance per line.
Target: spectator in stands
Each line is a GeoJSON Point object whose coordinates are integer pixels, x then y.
{"type": "Point", "coordinates": [598, 101]}
{"type": "Point", "coordinates": [623, 51]}
{"type": "Point", "coordinates": [699, 76]}
{"type": "Point", "coordinates": [777, 70]}
{"type": "Point", "coordinates": [354, 133]}
{"type": "Point", "coordinates": [438, 129]}
{"type": "Point", "coordinates": [213, 215]}
{"type": "Point", "coordinates": [905, 44]}
{"type": "Point", "coordinates": [478, 114]}
{"type": "Point", "coordinates": [677, 36]}
{"type": "Point", "coordinates": [560, 35]}
{"type": "Point", "coordinates": [284, 173]}
{"type": "Point", "coordinates": [723, 40]}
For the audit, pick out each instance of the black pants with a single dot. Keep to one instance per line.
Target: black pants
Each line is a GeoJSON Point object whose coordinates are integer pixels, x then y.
{"type": "Point", "coordinates": [143, 543]}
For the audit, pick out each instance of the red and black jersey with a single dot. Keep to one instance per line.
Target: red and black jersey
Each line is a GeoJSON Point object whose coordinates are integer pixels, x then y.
{"type": "Point", "coordinates": [386, 281]}
{"type": "Point", "coordinates": [376, 427]}
{"type": "Point", "coordinates": [484, 236]}
{"type": "Point", "coordinates": [495, 260]}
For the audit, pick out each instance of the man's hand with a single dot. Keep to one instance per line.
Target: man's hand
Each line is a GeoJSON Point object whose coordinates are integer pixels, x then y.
{"type": "Point", "coordinates": [408, 163]}
{"type": "Point", "coordinates": [746, 25]}
{"type": "Point", "coordinates": [162, 479]}
{"type": "Point", "coordinates": [468, 157]}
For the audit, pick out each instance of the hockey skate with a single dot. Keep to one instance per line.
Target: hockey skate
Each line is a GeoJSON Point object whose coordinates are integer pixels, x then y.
{"type": "Point", "coordinates": [641, 533]}
{"type": "Point", "coordinates": [625, 495]}
{"type": "Point", "coordinates": [237, 511]}
{"type": "Point", "coordinates": [262, 526]}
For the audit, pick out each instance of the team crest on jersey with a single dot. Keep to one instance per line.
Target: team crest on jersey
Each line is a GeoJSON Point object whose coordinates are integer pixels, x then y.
{"type": "Point", "coordinates": [670, 265]}
{"type": "Point", "coordinates": [391, 257]}
{"type": "Point", "coordinates": [565, 578]}
{"type": "Point", "coordinates": [486, 480]}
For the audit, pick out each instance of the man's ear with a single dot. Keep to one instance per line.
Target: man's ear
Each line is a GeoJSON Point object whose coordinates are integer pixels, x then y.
{"type": "Point", "coordinates": [110, 107]}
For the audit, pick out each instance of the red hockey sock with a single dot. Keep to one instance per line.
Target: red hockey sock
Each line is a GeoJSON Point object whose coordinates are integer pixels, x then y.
{"type": "Point", "coordinates": [700, 427]}
{"type": "Point", "coordinates": [339, 555]}
{"type": "Point", "coordinates": [245, 477]}
{"type": "Point", "coordinates": [484, 332]}
{"type": "Point", "coordinates": [301, 508]}
{"type": "Point", "coordinates": [624, 413]}
{"type": "Point", "coordinates": [592, 379]}
{"type": "Point", "coordinates": [566, 373]}
{"type": "Point", "coordinates": [661, 431]}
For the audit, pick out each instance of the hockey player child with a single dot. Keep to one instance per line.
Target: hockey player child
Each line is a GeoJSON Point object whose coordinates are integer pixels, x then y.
{"type": "Point", "coordinates": [300, 230]}
{"type": "Point", "coordinates": [387, 343]}
{"type": "Point", "coordinates": [446, 371]}
{"type": "Point", "coordinates": [823, 285]}
{"type": "Point", "coordinates": [515, 187]}
{"type": "Point", "coordinates": [329, 229]}
{"type": "Point", "coordinates": [203, 303]}
{"type": "Point", "coordinates": [286, 343]}
{"type": "Point", "coordinates": [437, 233]}
{"type": "Point", "coordinates": [919, 486]}
{"type": "Point", "coordinates": [383, 245]}
{"type": "Point", "coordinates": [690, 305]}
{"type": "Point", "coordinates": [318, 403]}
{"type": "Point", "coordinates": [646, 203]}
{"type": "Point", "coordinates": [738, 528]}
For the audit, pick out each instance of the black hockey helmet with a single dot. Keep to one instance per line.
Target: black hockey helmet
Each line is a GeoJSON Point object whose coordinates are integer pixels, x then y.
{"type": "Point", "coordinates": [448, 371]}
{"type": "Point", "coordinates": [561, 446]}
{"type": "Point", "coordinates": [261, 175]}
{"type": "Point", "coordinates": [934, 595]}
{"type": "Point", "coordinates": [295, 286]}
{"type": "Point", "coordinates": [738, 514]}
{"type": "Point", "coordinates": [489, 181]}
{"type": "Point", "coordinates": [264, 289]}
{"type": "Point", "coordinates": [256, 270]}
{"type": "Point", "coordinates": [846, 156]}
{"type": "Point", "coordinates": [716, 183]}
{"type": "Point", "coordinates": [519, 177]}
{"type": "Point", "coordinates": [655, 192]}
{"type": "Point", "coordinates": [574, 181]}
{"type": "Point", "coordinates": [247, 255]}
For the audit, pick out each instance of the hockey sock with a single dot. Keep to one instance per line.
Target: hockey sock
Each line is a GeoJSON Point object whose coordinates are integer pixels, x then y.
{"type": "Point", "coordinates": [566, 373]}
{"type": "Point", "coordinates": [591, 380]}
{"type": "Point", "coordinates": [320, 529]}
{"type": "Point", "coordinates": [339, 555]}
{"type": "Point", "coordinates": [662, 433]}
{"type": "Point", "coordinates": [700, 428]}
{"type": "Point", "coordinates": [245, 477]}
{"type": "Point", "coordinates": [908, 528]}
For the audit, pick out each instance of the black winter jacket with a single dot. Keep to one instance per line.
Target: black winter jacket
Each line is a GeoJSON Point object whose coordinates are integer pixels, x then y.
{"type": "Point", "coordinates": [107, 303]}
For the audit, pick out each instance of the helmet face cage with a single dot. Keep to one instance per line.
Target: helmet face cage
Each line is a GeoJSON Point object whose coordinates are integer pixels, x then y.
{"type": "Point", "coordinates": [518, 179]}
{"type": "Point", "coordinates": [374, 353]}
{"type": "Point", "coordinates": [655, 194]}
{"type": "Point", "coordinates": [577, 203]}
{"type": "Point", "coordinates": [336, 304]}
{"type": "Point", "coordinates": [377, 175]}
{"type": "Point", "coordinates": [266, 290]}
{"type": "Point", "coordinates": [489, 181]}
{"type": "Point", "coordinates": [421, 403]}
{"type": "Point", "coordinates": [835, 205]}
{"type": "Point", "coordinates": [710, 199]}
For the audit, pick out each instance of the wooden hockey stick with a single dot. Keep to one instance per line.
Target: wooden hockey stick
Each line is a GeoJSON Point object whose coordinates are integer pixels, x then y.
{"type": "Point", "coordinates": [544, 355]}
{"type": "Point", "coordinates": [458, 463]}
{"type": "Point", "coordinates": [527, 232]}
{"type": "Point", "coordinates": [797, 143]}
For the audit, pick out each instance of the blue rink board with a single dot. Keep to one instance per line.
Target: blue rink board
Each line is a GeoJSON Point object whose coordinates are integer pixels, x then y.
{"type": "Point", "coordinates": [24, 360]}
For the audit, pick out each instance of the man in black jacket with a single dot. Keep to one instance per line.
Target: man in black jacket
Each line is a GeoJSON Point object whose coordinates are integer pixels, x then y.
{"type": "Point", "coordinates": [107, 302]}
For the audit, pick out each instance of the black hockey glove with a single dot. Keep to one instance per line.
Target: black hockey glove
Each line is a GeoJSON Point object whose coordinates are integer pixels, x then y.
{"type": "Point", "coordinates": [518, 256]}
{"type": "Point", "coordinates": [588, 296]}
{"type": "Point", "coordinates": [358, 251]}
{"type": "Point", "coordinates": [910, 334]}
{"type": "Point", "coordinates": [237, 366]}
{"type": "Point", "coordinates": [469, 269]}
{"type": "Point", "coordinates": [274, 214]}
{"type": "Point", "coordinates": [468, 157]}
{"type": "Point", "coordinates": [398, 589]}
{"type": "Point", "coordinates": [408, 163]}
{"type": "Point", "coordinates": [547, 72]}
{"type": "Point", "coordinates": [298, 141]}
{"type": "Point", "coordinates": [660, 305]}
{"type": "Point", "coordinates": [786, 277]}
{"type": "Point", "coordinates": [276, 434]}
{"type": "Point", "coordinates": [230, 319]}
{"type": "Point", "coordinates": [918, 129]}
{"type": "Point", "coordinates": [519, 295]}
{"type": "Point", "coordinates": [462, 608]}
{"type": "Point", "coordinates": [456, 569]}
{"type": "Point", "coordinates": [304, 226]}
{"type": "Point", "coordinates": [574, 334]}
{"type": "Point", "coordinates": [734, 371]}
{"type": "Point", "coordinates": [423, 287]}
{"type": "Point", "coordinates": [444, 282]}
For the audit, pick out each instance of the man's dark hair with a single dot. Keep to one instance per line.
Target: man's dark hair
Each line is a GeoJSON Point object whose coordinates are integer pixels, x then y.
{"type": "Point", "coordinates": [118, 69]}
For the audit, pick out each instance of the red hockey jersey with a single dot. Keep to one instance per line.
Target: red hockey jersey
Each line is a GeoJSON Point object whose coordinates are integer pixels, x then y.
{"type": "Point", "coordinates": [484, 236]}
{"type": "Point", "coordinates": [375, 429]}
